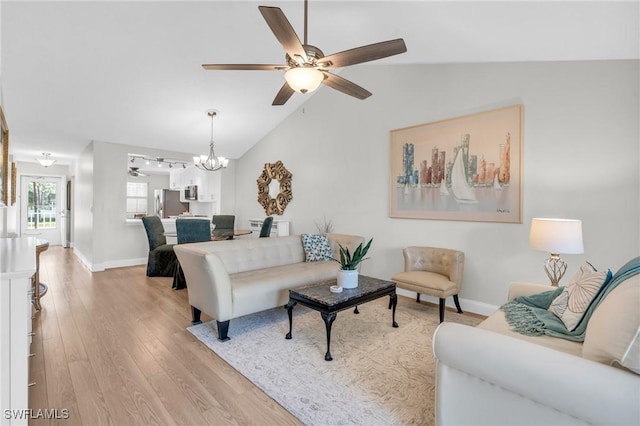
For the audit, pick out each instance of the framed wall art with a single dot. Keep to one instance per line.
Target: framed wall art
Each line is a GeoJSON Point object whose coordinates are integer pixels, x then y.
{"type": "Point", "coordinates": [14, 179]}
{"type": "Point", "coordinates": [4, 161]}
{"type": "Point", "coordinates": [274, 188]}
{"type": "Point", "coordinates": [466, 168]}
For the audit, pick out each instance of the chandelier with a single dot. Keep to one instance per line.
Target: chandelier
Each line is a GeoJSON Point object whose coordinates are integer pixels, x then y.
{"type": "Point", "coordinates": [211, 162]}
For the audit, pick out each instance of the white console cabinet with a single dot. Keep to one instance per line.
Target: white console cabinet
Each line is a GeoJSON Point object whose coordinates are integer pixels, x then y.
{"type": "Point", "coordinates": [279, 228]}
{"type": "Point", "coordinates": [17, 266]}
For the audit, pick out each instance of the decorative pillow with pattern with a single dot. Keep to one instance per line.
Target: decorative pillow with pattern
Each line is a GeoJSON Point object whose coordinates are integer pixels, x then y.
{"type": "Point", "coordinates": [316, 248]}
{"type": "Point", "coordinates": [576, 297]}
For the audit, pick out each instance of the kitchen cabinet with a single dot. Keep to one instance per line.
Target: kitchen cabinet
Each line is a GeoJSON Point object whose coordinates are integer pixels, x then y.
{"type": "Point", "coordinates": [175, 179]}
{"type": "Point", "coordinates": [208, 183]}
{"type": "Point", "coordinates": [17, 267]}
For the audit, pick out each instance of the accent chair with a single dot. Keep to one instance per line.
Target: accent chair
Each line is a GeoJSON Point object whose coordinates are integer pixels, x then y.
{"type": "Point", "coordinates": [433, 271]}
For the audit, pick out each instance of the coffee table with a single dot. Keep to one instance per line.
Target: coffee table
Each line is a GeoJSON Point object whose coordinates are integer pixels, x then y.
{"type": "Point", "coordinates": [318, 297]}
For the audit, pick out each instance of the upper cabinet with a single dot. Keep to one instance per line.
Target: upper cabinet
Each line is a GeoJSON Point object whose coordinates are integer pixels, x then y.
{"type": "Point", "coordinates": [175, 178]}
{"type": "Point", "coordinates": [208, 183]}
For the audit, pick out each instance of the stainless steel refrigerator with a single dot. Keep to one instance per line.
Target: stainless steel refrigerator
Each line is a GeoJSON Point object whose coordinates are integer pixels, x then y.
{"type": "Point", "coordinates": [167, 203]}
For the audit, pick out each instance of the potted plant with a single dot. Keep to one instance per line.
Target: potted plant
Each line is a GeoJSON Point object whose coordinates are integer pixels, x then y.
{"type": "Point", "coordinates": [348, 273]}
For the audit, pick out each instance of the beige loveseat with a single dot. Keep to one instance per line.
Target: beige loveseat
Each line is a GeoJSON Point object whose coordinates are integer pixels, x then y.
{"type": "Point", "coordinates": [229, 279]}
{"type": "Point", "coordinates": [489, 375]}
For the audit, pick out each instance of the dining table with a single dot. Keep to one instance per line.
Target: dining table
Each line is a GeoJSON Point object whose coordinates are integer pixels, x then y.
{"type": "Point", "coordinates": [236, 233]}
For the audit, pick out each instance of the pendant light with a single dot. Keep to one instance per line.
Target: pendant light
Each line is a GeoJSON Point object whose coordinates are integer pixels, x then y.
{"type": "Point", "coordinates": [211, 162]}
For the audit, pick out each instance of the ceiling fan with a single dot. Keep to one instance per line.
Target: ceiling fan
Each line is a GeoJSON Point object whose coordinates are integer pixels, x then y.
{"type": "Point", "coordinates": [306, 66]}
{"type": "Point", "coordinates": [135, 172]}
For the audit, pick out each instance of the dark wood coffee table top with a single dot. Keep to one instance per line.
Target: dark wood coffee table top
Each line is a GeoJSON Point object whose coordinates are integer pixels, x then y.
{"type": "Point", "coordinates": [320, 293]}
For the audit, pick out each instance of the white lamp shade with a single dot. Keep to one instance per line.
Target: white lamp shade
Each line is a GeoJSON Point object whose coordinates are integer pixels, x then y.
{"type": "Point", "coordinates": [556, 235]}
{"type": "Point", "coordinates": [303, 79]}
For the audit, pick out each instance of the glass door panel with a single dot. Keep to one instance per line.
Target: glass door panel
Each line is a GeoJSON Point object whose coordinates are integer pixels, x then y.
{"type": "Point", "coordinates": [41, 207]}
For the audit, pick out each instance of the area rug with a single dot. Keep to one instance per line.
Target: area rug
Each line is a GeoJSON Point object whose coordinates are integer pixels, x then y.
{"type": "Point", "coordinates": [379, 375]}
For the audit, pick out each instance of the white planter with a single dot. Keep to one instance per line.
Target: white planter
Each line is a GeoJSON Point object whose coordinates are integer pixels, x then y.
{"type": "Point", "coordinates": [348, 279]}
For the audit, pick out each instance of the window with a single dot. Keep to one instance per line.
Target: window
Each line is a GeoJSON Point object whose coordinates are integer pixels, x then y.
{"type": "Point", "coordinates": [41, 205]}
{"type": "Point", "coordinates": [136, 199]}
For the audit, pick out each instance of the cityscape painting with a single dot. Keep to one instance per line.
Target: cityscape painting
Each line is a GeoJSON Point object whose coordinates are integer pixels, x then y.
{"type": "Point", "coordinates": [464, 168]}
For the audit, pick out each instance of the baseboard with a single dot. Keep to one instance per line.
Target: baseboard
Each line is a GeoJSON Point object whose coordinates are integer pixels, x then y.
{"type": "Point", "coordinates": [123, 263]}
{"type": "Point", "coordinates": [467, 305]}
{"type": "Point", "coordinates": [83, 259]}
{"type": "Point", "coordinates": [98, 267]}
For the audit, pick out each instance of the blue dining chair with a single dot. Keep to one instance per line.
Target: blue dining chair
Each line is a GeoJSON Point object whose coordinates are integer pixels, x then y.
{"type": "Point", "coordinates": [189, 231]}
{"type": "Point", "coordinates": [265, 231]}
{"type": "Point", "coordinates": [193, 230]}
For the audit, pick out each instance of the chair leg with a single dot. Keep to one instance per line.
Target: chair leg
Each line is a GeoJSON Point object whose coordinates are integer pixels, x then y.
{"type": "Point", "coordinates": [223, 330]}
{"type": "Point", "coordinates": [195, 316]}
{"type": "Point", "coordinates": [457, 302]}
{"type": "Point", "coordinates": [418, 298]}
{"type": "Point", "coordinates": [441, 310]}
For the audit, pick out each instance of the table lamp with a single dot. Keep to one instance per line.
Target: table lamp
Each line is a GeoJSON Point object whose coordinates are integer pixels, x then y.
{"type": "Point", "coordinates": [556, 236]}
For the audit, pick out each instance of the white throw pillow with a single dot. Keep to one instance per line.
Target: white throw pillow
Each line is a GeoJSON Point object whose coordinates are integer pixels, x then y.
{"type": "Point", "coordinates": [574, 300]}
{"type": "Point", "coordinates": [613, 333]}
{"type": "Point", "coordinates": [316, 248]}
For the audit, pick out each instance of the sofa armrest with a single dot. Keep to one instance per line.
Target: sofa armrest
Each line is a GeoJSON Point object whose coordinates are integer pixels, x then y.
{"type": "Point", "coordinates": [208, 282]}
{"type": "Point", "coordinates": [486, 378]}
{"type": "Point", "coordinates": [519, 288]}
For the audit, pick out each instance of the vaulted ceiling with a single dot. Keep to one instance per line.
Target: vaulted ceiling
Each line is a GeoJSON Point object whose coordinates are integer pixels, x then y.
{"type": "Point", "coordinates": [130, 72]}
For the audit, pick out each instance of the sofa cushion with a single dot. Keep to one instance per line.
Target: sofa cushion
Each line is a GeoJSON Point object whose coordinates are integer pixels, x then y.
{"type": "Point", "coordinates": [254, 253]}
{"type": "Point", "coordinates": [574, 300]}
{"type": "Point", "coordinates": [613, 334]}
{"type": "Point", "coordinates": [255, 291]}
{"type": "Point", "coordinates": [425, 280]}
{"type": "Point", "coordinates": [498, 324]}
{"type": "Point", "coordinates": [316, 247]}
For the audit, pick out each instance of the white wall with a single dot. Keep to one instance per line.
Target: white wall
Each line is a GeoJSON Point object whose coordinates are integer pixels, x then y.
{"type": "Point", "coordinates": [83, 194]}
{"type": "Point", "coordinates": [104, 238]}
{"type": "Point", "coordinates": [581, 160]}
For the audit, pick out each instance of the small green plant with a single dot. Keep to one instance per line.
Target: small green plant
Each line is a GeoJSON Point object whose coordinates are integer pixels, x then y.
{"type": "Point", "coordinates": [348, 261]}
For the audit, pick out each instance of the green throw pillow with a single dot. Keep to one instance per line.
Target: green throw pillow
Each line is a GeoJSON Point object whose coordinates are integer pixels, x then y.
{"type": "Point", "coordinates": [316, 248]}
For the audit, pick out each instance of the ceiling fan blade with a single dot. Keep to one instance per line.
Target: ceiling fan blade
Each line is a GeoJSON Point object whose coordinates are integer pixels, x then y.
{"type": "Point", "coordinates": [362, 54]}
{"type": "Point", "coordinates": [283, 95]}
{"type": "Point", "coordinates": [243, 67]}
{"type": "Point", "coordinates": [345, 86]}
{"type": "Point", "coordinates": [284, 32]}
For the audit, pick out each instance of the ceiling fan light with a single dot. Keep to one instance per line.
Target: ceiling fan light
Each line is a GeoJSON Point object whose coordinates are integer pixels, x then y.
{"type": "Point", "coordinates": [303, 79]}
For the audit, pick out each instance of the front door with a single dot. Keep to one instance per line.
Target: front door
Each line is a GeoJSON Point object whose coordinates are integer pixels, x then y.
{"type": "Point", "coordinates": [40, 207]}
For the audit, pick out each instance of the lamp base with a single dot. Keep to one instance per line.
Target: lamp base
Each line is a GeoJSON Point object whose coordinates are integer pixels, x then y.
{"type": "Point", "coordinates": [555, 268]}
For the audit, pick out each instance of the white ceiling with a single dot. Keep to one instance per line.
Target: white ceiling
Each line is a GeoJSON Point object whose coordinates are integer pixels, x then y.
{"type": "Point", "coordinates": [130, 72]}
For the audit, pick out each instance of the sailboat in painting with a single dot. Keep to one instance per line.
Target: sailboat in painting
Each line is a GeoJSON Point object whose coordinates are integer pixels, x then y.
{"type": "Point", "coordinates": [443, 188]}
{"type": "Point", "coordinates": [462, 191]}
{"type": "Point", "coordinates": [496, 183]}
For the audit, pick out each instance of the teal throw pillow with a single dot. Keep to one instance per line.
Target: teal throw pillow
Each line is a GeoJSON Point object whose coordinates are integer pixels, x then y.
{"type": "Point", "coordinates": [316, 248]}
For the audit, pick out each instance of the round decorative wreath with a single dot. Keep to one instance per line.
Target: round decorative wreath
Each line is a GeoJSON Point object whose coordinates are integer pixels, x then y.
{"type": "Point", "coordinates": [274, 171]}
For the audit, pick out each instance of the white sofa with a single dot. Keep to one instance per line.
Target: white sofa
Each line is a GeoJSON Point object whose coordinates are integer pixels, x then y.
{"type": "Point", "coordinates": [229, 279]}
{"type": "Point", "coordinates": [489, 375]}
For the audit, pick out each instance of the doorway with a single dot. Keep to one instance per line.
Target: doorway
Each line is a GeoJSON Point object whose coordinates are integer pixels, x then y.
{"type": "Point", "coordinates": [41, 204]}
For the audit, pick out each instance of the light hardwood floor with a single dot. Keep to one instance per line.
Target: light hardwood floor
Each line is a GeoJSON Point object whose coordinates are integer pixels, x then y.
{"type": "Point", "coordinates": [111, 348]}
